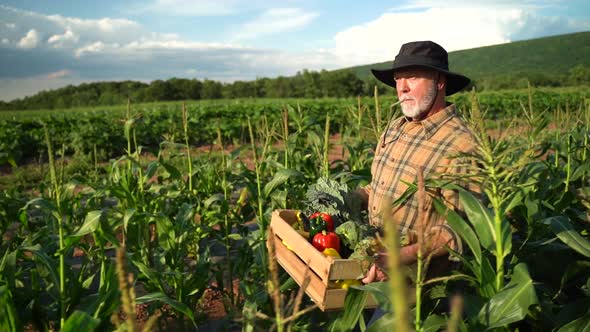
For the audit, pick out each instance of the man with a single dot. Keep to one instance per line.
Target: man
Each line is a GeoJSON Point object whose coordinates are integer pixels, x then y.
{"type": "Point", "coordinates": [424, 139]}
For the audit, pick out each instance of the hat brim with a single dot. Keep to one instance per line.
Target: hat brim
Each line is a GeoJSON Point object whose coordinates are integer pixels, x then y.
{"type": "Point", "coordinates": [455, 82]}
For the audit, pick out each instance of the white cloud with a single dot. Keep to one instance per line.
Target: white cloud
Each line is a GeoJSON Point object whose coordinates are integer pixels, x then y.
{"type": "Point", "coordinates": [60, 40]}
{"type": "Point", "coordinates": [275, 21]}
{"type": "Point", "coordinates": [95, 47]}
{"type": "Point", "coordinates": [195, 7]}
{"type": "Point", "coordinates": [10, 25]}
{"type": "Point", "coordinates": [31, 40]}
{"type": "Point", "coordinates": [463, 4]}
{"type": "Point", "coordinates": [454, 28]}
{"type": "Point", "coordinates": [114, 30]}
{"type": "Point", "coordinates": [201, 7]}
{"type": "Point", "coordinates": [5, 41]}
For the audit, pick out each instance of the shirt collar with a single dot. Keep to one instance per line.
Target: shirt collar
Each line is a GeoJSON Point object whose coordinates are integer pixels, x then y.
{"type": "Point", "coordinates": [434, 122]}
{"type": "Point", "coordinates": [431, 124]}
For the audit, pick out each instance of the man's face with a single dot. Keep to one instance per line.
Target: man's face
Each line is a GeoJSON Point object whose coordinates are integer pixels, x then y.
{"type": "Point", "coordinates": [417, 87]}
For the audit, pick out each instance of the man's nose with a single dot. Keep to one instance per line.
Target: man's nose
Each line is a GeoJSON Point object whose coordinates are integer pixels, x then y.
{"type": "Point", "coordinates": [402, 85]}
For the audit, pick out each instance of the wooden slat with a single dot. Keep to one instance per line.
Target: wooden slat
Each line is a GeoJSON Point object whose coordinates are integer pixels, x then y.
{"type": "Point", "coordinates": [299, 271]}
{"type": "Point", "coordinates": [345, 269]}
{"type": "Point", "coordinates": [321, 269]}
{"type": "Point", "coordinates": [326, 299]}
{"type": "Point", "coordinates": [319, 263]}
{"type": "Point", "coordinates": [327, 268]}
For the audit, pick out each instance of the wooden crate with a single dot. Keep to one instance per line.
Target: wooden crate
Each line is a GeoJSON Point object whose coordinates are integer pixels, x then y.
{"type": "Point", "coordinates": [306, 261]}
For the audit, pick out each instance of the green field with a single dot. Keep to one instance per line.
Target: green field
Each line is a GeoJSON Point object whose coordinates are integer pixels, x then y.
{"type": "Point", "coordinates": [108, 226]}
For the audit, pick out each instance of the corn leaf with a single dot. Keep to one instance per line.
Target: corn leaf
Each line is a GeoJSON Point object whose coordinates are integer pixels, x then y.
{"type": "Point", "coordinates": [8, 316]}
{"type": "Point", "coordinates": [177, 306]}
{"type": "Point", "coordinates": [380, 292]}
{"type": "Point", "coordinates": [581, 324]}
{"type": "Point", "coordinates": [512, 303]}
{"type": "Point", "coordinates": [564, 230]}
{"type": "Point", "coordinates": [80, 321]}
{"type": "Point", "coordinates": [280, 178]}
{"type": "Point", "coordinates": [461, 228]}
{"type": "Point", "coordinates": [481, 218]}
{"type": "Point", "coordinates": [434, 323]}
{"type": "Point", "coordinates": [383, 323]}
{"type": "Point", "coordinates": [354, 304]}
{"type": "Point", "coordinates": [90, 224]}
{"type": "Point", "coordinates": [42, 257]}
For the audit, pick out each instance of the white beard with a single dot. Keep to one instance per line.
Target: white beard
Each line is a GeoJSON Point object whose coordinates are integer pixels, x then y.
{"type": "Point", "coordinates": [419, 107]}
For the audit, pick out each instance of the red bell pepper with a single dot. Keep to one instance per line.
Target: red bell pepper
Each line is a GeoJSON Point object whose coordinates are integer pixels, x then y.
{"type": "Point", "coordinates": [324, 240]}
{"type": "Point", "coordinates": [324, 218]}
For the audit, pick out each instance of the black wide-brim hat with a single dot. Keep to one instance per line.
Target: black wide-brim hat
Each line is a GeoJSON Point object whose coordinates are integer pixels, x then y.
{"type": "Point", "coordinates": [423, 54]}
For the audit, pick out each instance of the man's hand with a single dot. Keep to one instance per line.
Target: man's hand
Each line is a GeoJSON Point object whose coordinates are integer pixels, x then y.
{"type": "Point", "coordinates": [375, 274]}
{"type": "Point", "coordinates": [377, 270]}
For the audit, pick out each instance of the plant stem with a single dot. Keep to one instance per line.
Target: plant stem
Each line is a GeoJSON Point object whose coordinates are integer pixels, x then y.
{"type": "Point", "coordinates": [56, 195]}
{"type": "Point", "coordinates": [326, 162]}
{"type": "Point", "coordinates": [139, 169]}
{"type": "Point", "coordinates": [359, 120]}
{"type": "Point", "coordinates": [568, 167]}
{"type": "Point", "coordinates": [397, 280]}
{"type": "Point", "coordinates": [261, 220]}
{"type": "Point", "coordinates": [499, 241]}
{"type": "Point", "coordinates": [422, 219]}
{"type": "Point", "coordinates": [227, 224]}
{"type": "Point", "coordinates": [95, 163]}
{"type": "Point", "coordinates": [274, 281]}
{"type": "Point", "coordinates": [188, 148]}
{"type": "Point", "coordinates": [127, 118]}
{"type": "Point", "coordinates": [286, 136]}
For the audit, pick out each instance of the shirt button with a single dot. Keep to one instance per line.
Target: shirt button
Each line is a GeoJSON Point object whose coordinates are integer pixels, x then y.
{"type": "Point", "coordinates": [382, 182]}
{"type": "Point", "coordinates": [374, 208]}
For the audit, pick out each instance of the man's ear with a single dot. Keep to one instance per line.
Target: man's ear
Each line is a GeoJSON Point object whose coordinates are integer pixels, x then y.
{"type": "Point", "coordinates": [442, 82]}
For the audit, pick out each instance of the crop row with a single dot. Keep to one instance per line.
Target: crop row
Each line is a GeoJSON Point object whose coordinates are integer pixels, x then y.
{"type": "Point", "coordinates": [84, 132]}
{"type": "Point", "coordinates": [183, 224]}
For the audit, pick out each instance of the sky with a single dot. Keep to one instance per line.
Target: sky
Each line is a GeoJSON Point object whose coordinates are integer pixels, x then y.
{"type": "Point", "coordinates": [47, 44]}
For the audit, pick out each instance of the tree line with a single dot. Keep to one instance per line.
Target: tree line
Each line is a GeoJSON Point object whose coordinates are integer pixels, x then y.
{"type": "Point", "coordinates": [305, 84]}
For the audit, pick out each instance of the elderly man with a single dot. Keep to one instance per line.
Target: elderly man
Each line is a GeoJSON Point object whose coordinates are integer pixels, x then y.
{"type": "Point", "coordinates": [425, 138]}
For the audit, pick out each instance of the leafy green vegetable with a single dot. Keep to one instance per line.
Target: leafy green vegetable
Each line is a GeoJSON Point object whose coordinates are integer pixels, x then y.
{"type": "Point", "coordinates": [335, 199]}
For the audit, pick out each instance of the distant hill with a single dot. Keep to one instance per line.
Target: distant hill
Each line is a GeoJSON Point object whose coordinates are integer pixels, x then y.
{"type": "Point", "coordinates": [549, 56]}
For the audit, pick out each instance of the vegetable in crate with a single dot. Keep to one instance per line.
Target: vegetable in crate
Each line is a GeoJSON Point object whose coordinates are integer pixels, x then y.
{"type": "Point", "coordinates": [344, 284]}
{"type": "Point", "coordinates": [302, 225]}
{"type": "Point", "coordinates": [302, 222]}
{"type": "Point", "coordinates": [318, 222]}
{"type": "Point", "coordinates": [331, 252]}
{"type": "Point", "coordinates": [335, 199]}
{"type": "Point", "coordinates": [325, 218]}
{"type": "Point", "coordinates": [325, 240]}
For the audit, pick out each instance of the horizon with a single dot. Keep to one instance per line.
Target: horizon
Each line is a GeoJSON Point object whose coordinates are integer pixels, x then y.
{"type": "Point", "coordinates": [52, 45]}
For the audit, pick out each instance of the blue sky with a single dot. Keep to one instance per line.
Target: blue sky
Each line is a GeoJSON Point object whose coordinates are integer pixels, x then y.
{"type": "Point", "coordinates": [47, 44]}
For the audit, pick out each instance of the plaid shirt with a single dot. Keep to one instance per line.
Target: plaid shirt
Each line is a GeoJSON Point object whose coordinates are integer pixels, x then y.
{"type": "Point", "coordinates": [406, 146]}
